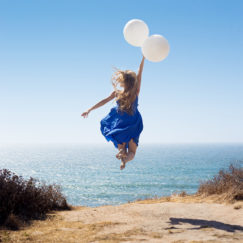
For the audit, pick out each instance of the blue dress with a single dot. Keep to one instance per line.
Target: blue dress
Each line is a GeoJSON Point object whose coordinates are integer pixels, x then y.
{"type": "Point", "coordinates": [119, 126]}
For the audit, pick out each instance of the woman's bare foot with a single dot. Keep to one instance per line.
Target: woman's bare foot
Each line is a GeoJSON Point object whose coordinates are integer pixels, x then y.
{"type": "Point", "coordinates": [121, 154]}
{"type": "Point", "coordinates": [129, 156]}
{"type": "Point", "coordinates": [123, 164]}
{"type": "Point", "coordinates": [118, 154]}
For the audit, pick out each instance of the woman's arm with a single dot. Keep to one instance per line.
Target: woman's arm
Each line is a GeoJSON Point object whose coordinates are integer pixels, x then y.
{"type": "Point", "coordinates": [139, 75]}
{"type": "Point", "coordinates": [99, 104]}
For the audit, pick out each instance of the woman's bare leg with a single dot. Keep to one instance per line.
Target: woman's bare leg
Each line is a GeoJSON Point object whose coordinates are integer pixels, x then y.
{"type": "Point", "coordinates": [122, 151]}
{"type": "Point", "coordinates": [132, 147]}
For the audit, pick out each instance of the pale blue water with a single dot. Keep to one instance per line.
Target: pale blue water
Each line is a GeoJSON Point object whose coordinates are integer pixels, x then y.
{"type": "Point", "coordinates": [91, 176]}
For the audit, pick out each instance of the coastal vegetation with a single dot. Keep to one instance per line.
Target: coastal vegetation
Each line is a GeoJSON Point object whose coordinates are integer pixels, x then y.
{"type": "Point", "coordinates": [227, 182]}
{"type": "Point", "coordinates": [22, 200]}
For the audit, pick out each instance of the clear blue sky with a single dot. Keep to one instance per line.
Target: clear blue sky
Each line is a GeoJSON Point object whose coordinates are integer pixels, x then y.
{"type": "Point", "coordinates": [56, 60]}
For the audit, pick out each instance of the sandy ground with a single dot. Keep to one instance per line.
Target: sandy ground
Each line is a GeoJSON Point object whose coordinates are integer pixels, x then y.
{"type": "Point", "coordinates": [186, 219]}
{"type": "Point", "coordinates": [165, 222]}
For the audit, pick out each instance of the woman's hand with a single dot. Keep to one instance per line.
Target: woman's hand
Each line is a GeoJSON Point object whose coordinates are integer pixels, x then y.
{"type": "Point", "coordinates": [85, 114]}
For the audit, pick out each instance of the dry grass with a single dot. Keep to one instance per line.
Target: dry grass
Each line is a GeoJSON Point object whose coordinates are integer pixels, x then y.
{"type": "Point", "coordinates": [54, 229]}
{"type": "Point", "coordinates": [228, 183]}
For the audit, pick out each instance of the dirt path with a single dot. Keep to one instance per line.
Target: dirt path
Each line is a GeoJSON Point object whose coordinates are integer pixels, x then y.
{"type": "Point", "coordinates": [164, 222]}
{"type": "Point", "coordinates": [181, 220]}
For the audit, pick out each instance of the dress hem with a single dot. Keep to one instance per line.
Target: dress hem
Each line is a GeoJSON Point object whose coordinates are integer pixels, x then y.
{"type": "Point", "coordinates": [115, 142]}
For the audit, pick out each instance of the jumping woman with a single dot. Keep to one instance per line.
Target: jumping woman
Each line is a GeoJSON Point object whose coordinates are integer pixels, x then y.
{"type": "Point", "coordinates": [123, 125]}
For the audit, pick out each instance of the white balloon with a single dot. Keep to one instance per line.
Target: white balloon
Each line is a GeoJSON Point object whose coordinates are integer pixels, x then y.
{"type": "Point", "coordinates": [155, 48]}
{"type": "Point", "coordinates": [135, 32]}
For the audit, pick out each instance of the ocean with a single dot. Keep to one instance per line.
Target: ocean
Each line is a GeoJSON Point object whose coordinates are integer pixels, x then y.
{"type": "Point", "coordinates": [91, 176]}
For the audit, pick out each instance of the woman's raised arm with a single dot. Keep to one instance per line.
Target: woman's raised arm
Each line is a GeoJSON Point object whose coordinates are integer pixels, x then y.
{"type": "Point", "coordinates": [139, 75]}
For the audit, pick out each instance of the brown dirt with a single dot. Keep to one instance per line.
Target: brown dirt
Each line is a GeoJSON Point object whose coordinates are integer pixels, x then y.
{"type": "Point", "coordinates": [176, 219]}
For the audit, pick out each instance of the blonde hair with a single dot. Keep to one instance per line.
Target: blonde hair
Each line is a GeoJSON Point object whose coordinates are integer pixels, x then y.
{"type": "Point", "coordinates": [127, 96]}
